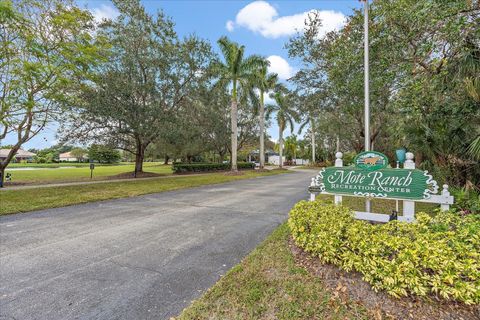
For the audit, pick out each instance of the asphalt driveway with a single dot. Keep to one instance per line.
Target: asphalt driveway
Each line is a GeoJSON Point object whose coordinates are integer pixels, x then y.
{"type": "Point", "coordinates": [145, 257]}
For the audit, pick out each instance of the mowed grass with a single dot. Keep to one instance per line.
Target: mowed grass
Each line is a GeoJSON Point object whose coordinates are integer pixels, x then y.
{"type": "Point", "coordinates": [55, 173]}
{"type": "Point", "coordinates": [268, 285]}
{"type": "Point", "coordinates": [61, 164]}
{"type": "Point", "coordinates": [14, 201]}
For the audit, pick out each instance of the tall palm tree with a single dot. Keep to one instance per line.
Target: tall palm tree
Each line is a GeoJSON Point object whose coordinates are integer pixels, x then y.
{"type": "Point", "coordinates": [309, 119]}
{"type": "Point", "coordinates": [284, 114]}
{"type": "Point", "coordinates": [264, 82]}
{"type": "Point", "coordinates": [238, 72]}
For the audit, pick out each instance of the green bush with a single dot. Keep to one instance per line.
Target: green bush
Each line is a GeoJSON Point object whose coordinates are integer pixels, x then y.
{"type": "Point", "coordinates": [205, 167]}
{"type": "Point", "coordinates": [466, 201]}
{"type": "Point", "coordinates": [437, 255]}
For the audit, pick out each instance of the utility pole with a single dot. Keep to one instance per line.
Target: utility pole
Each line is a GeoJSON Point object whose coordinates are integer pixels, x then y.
{"type": "Point", "coordinates": [367, 92]}
{"type": "Point", "coordinates": [366, 71]}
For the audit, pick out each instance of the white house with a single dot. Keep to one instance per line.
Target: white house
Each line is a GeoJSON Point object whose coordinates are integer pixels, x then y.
{"type": "Point", "coordinates": [275, 160]}
{"type": "Point", "coordinates": [67, 157]}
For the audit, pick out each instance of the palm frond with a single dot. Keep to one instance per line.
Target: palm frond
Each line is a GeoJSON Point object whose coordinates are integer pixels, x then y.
{"type": "Point", "coordinates": [269, 110]}
{"type": "Point", "coordinates": [474, 148]}
{"type": "Point", "coordinates": [229, 50]}
{"type": "Point", "coordinates": [251, 65]}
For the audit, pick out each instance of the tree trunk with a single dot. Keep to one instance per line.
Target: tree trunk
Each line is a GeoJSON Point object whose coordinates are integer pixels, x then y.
{"type": "Point", "coordinates": [166, 159]}
{"type": "Point", "coordinates": [221, 156]}
{"type": "Point", "coordinates": [139, 156]}
{"type": "Point", "coordinates": [418, 158]}
{"type": "Point", "coordinates": [312, 132]}
{"type": "Point", "coordinates": [234, 114]}
{"type": "Point", "coordinates": [2, 176]}
{"type": "Point", "coordinates": [4, 163]}
{"type": "Point", "coordinates": [280, 146]}
{"type": "Point", "coordinates": [262, 131]}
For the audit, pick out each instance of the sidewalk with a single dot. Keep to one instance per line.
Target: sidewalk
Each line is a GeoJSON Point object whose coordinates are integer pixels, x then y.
{"type": "Point", "coordinates": [76, 183]}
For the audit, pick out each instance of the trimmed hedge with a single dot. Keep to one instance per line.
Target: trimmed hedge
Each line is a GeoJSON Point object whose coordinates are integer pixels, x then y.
{"type": "Point", "coordinates": [205, 167]}
{"type": "Point", "coordinates": [437, 256]}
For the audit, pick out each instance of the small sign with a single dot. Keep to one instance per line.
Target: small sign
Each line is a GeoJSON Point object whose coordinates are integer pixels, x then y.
{"type": "Point", "coordinates": [382, 183]}
{"type": "Point", "coordinates": [92, 166]}
{"type": "Point", "coordinates": [371, 160]}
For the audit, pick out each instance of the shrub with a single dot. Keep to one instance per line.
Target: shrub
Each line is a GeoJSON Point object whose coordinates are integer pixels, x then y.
{"type": "Point", "coordinates": [437, 255]}
{"type": "Point", "coordinates": [466, 201]}
{"type": "Point", "coordinates": [205, 167]}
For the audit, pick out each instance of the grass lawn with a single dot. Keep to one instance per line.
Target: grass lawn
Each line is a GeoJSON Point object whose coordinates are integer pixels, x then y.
{"type": "Point", "coordinates": [63, 172]}
{"type": "Point", "coordinates": [268, 285]}
{"type": "Point", "coordinates": [14, 201]}
{"type": "Point", "coordinates": [61, 164]}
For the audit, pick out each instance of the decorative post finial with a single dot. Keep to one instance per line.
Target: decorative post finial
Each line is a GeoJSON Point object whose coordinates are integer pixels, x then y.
{"type": "Point", "coordinates": [445, 191]}
{"type": "Point", "coordinates": [409, 163]}
{"type": "Point", "coordinates": [339, 161]}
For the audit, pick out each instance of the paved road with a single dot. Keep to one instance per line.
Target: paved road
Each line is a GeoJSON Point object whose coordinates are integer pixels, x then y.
{"type": "Point", "coordinates": [145, 257]}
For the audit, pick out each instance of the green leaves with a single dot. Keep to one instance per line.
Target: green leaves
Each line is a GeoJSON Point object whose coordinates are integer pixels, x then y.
{"type": "Point", "coordinates": [437, 255]}
{"type": "Point", "coordinates": [47, 48]}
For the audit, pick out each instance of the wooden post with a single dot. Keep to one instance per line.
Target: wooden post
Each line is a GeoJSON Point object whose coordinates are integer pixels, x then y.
{"type": "Point", "coordinates": [338, 163]}
{"type": "Point", "coordinates": [408, 206]}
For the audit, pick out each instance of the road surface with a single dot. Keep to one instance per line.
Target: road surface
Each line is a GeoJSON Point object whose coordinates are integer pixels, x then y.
{"type": "Point", "coordinates": [145, 257]}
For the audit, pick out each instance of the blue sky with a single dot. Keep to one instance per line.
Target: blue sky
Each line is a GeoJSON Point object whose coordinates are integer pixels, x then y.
{"type": "Point", "coordinates": [262, 26]}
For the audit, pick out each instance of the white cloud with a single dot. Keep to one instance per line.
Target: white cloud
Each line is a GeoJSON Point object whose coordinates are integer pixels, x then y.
{"type": "Point", "coordinates": [229, 25]}
{"type": "Point", "coordinates": [281, 67]}
{"type": "Point", "coordinates": [104, 12]}
{"type": "Point", "coordinates": [263, 18]}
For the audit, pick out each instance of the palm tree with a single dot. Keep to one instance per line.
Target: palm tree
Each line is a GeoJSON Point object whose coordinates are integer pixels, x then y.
{"type": "Point", "coordinates": [309, 119]}
{"type": "Point", "coordinates": [285, 115]}
{"type": "Point", "coordinates": [264, 82]}
{"type": "Point", "coordinates": [237, 71]}
{"type": "Point", "coordinates": [469, 72]}
{"type": "Point", "coordinates": [291, 146]}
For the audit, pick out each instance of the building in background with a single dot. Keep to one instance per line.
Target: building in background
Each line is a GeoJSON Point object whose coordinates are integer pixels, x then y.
{"type": "Point", "coordinates": [21, 155]}
{"type": "Point", "coordinates": [68, 157]}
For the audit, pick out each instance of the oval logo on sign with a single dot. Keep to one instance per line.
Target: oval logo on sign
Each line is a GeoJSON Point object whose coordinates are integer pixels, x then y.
{"type": "Point", "coordinates": [370, 160]}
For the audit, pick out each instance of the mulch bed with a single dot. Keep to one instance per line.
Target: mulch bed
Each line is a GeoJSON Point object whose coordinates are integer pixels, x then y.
{"type": "Point", "coordinates": [349, 286]}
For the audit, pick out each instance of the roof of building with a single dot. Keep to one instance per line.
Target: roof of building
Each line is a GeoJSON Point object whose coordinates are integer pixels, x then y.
{"type": "Point", "coordinates": [66, 155]}
{"type": "Point", "coordinates": [20, 153]}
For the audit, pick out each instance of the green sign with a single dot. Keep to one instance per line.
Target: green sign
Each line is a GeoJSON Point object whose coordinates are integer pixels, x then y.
{"type": "Point", "coordinates": [371, 160]}
{"type": "Point", "coordinates": [385, 183]}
